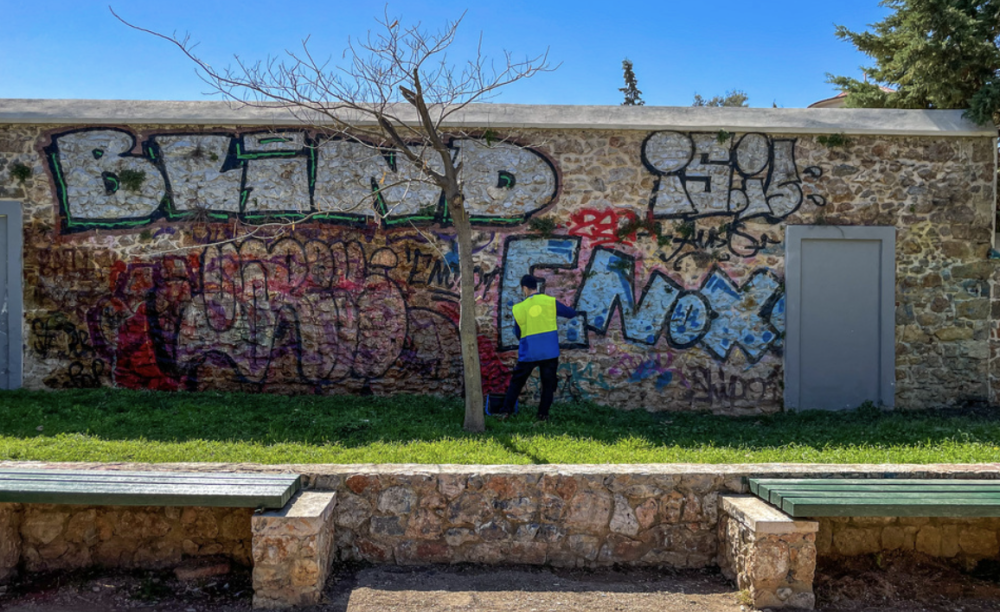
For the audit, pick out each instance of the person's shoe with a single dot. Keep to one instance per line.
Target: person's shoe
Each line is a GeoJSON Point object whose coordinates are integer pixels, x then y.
{"type": "Point", "coordinates": [541, 420]}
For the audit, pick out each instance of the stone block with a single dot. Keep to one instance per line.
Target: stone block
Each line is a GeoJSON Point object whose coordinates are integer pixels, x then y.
{"type": "Point", "coordinates": [978, 543]}
{"type": "Point", "coordinates": [589, 511]}
{"type": "Point", "coordinates": [892, 538]}
{"type": "Point", "coordinates": [854, 541]}
{"type": "Point", "coordinates": [10, 540]}
{"type": "Point", "coordinates": [645, 513]}
{"type": "Point", "coordinates": [396, 500]}
{"type": "Point", "coordinates": [41, 527]}
{"type": "Point", "coordinates": [624, 520]}
{"type": "Point", "coordinates": [929, 540]}
{"type": "Point", "coordinates": [766, 552]}
{"type": "Point", "coordinates": [292, 550]}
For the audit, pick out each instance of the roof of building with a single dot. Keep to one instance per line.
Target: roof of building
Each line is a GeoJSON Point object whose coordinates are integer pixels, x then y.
{"type": "Point", "coordinates": [771, 120]}
{"type": "Point", "coordinates": [837, 101]}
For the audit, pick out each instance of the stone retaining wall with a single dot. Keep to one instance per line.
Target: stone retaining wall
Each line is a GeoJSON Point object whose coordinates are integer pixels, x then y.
{"type": "Point", "coordinates": [54, 537]}
{"type": "Point", "coordinates": [564, 519]}
{"type": "Point", "coordinates": [563, 515]}
{"type": "Point", "coordinates": [558, 515]}
{"type": "Point", "coordinates": [964, 540]}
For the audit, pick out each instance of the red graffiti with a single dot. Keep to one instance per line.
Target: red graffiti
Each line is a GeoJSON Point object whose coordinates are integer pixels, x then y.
{"type": "Point", "coordinates": [135, 362]}
{"type": "Point", "coordinates": [496, 376]}
{"type": "Point", "coordinates": [601, 226]}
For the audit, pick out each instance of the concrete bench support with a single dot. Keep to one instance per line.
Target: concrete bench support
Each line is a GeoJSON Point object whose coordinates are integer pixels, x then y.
{"type": "Point", "coordinates": [10, 541]}
{"type": "Point", "coordinates": [292, 551]}
{"type": "Point", "coordinates": [767, 553]}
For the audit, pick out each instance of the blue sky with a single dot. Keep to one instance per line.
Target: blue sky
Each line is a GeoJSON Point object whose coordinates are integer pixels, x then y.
{"type": "Point", "coordinates": [777, 50]}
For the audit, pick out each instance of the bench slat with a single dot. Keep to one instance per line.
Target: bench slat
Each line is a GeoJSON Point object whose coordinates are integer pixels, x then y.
{"type": "Point", "coordinates": [888, 482]}
{"type": "Point", "coordinates": [92, 487]}
{"type": "Point", "coordinates": [880, 497]}
{"type": "Point", "coordinates": [769, 493]}
{"type": "Point", "coordinates": [901, 488]}
{"type": "Point", "coordinates": [902, 498]}
{"type": "Point", "coordinates": [892, 498]}
{"type": "Point", "coordinates": [116, 474]}
{"type": "Point", "coordinates": [774, 493]}
{"type": "Point", "coordinates": [803, 507]}
{"type": "Point", "coordinates": [152, 479]}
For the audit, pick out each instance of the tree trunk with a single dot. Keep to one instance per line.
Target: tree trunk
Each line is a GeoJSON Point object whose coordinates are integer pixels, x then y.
{"type": "Point", "coordinates": [475, 419]}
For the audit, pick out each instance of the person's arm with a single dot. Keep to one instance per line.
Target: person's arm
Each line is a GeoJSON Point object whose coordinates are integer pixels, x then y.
{"type": "Point", "coordinates": [517, 330]}
{"type": "Point", "coordinates": [562, 310]}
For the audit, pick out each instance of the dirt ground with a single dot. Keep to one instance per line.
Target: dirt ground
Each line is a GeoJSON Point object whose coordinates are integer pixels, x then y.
{"type": "Point", "coordinates": [394, 589]}
{"type": "Point", "coordinates": [891, 583]}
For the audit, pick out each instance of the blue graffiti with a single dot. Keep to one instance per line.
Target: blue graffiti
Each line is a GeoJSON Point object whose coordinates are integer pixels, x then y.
{"type": "Point", "coordinates": [777, 318]}
{"type": "Point", "coordinates": [690, 320]}
{"type": "Point", "coordinates": [649, 369]}
{"type": "Point", "coordinates": [719, 316]}
{"type": "Point", "coordinates": [607, 285]}
{"type": "Point", "coordinates": [523, 256]}
{"type": "Point", "coordinates": [740, 311]}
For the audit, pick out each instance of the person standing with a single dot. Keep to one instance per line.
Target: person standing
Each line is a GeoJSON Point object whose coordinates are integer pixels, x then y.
{"type": "Point", "coordinates": [536, 327]}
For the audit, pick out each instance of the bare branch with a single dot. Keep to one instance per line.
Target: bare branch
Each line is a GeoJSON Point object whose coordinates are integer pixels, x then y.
{"type": "Point", "coordinates": [367, 98]}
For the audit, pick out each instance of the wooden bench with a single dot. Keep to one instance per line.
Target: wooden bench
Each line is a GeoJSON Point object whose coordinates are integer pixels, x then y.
{"type": "Point", "coordinates": [291, 530]}
{"type": "Point", "coordinates": [108, 488]}
{"type": "Point", "coordinates": [770, 548]}
{"type": "Point", "coordinates": [846, 497]}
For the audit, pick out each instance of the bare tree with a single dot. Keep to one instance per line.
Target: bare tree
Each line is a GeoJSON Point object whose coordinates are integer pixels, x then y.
{"type": "Point", "coordinates": [395, 89]}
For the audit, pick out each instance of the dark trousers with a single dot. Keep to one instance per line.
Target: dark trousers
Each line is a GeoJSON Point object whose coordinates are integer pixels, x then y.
{"type": "Point", "coordinates": [547, 371]}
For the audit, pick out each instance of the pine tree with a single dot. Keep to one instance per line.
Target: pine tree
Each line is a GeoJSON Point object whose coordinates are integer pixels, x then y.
{"type": "Point", "coordinates": [934, 54]}
{"type": "Point", "coordinates": [631, 89]}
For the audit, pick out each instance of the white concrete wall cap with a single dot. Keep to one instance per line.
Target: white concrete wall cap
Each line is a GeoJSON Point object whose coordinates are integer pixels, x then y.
{"type": "Point", "coordinates": [763, 518]}
{"type": "Point", "coordinates": [889, 122]}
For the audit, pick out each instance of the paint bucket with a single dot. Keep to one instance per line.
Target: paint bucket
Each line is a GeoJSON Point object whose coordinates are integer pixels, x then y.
{"type": "Point", "coordinates": [494, 405]}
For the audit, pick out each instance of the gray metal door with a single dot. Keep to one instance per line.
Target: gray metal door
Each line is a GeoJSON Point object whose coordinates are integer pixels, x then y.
{"type": "Point", "coordinates": [10, 295]}
{"type": "Point", "coordinates": [840, 335]}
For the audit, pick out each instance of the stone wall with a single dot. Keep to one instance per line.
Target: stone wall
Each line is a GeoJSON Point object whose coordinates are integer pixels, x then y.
{"type": "Point", "coordinates": [964, 540]}
{"type": "Point", "coordinates": [159, 285]}
{"type": "Point", "coordinates": [769, 555]}
{"type": "Point", "coordinates": [563, 519]}
{"type": "Point", "coordinates": [564, 516]}
{"type": "Point", "coordinates": [53, 537]}
{"type": "Point", "coordinates": [293, 550]}
{"type": "Point", "coordinates": [10, 540]}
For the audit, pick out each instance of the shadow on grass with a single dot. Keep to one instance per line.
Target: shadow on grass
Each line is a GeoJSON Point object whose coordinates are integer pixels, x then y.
{"type": "Point", "coordinates": [350, 421]}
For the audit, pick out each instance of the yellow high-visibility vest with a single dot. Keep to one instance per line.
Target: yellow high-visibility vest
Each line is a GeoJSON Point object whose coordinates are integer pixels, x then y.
{"type": "Point", "coordinates": [536, 315]}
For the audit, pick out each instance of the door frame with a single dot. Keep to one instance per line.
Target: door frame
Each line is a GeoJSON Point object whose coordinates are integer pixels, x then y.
{"type": "Point", "coordinates": [15, 294]}
{"type": "Point", "coordinates": [794, 235]}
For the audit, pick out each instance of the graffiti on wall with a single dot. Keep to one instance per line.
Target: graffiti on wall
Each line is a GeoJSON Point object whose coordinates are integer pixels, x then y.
{"type": "Point", "coordinates": [704, 174]}
{"type": "Point", "coordinates": [313, 312]}
{"type": "Point", "coordinates": [718, 315]}
{"type": "Point", "coordinates": [105, 179]}
{"type": "Point", "coordinates": [732, 181]}
{"type": "Point", "coordinates": [716, 387]}
{"type": "Point", "coordinates": [344, 303]}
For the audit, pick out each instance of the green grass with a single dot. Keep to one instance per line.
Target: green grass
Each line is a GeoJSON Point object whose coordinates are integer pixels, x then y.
{"type": "Point", "coordinates": [118, 425]}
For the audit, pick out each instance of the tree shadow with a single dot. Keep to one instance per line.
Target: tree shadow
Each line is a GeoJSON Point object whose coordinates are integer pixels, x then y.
{"type": "Point", "coordinates": [354, 422]}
